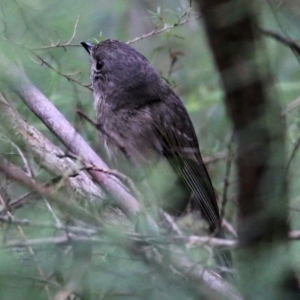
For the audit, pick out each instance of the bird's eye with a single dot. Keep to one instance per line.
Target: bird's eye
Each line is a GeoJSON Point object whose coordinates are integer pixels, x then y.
{"type": "Point", "coordinates": [99, 65]}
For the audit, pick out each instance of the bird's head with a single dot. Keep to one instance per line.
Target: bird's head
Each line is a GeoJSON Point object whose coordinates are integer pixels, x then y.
{"type": "Point", "coordinates": [116, 65]}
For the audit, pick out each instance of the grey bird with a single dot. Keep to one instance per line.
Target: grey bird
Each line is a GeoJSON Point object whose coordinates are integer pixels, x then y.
{"type": "Point", "coordinates": [143, 123]}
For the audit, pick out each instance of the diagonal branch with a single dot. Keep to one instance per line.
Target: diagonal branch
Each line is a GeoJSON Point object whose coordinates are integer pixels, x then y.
{"type": "Point", "coordinates": [15, 173]}
{"type": "Point", "coordinates": [68, 77]}
{"type": "Point", "coordinates": [46, 154]}
{"type": "Point", "coordinates": [65, 132]}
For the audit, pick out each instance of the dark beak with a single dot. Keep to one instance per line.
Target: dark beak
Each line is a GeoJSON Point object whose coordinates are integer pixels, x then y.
{"type": "Point", "coordinates": [87, 46]}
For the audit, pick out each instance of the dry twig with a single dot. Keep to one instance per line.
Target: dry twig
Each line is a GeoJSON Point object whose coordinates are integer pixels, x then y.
{"type": "Point", "coordinates": [63, 45]}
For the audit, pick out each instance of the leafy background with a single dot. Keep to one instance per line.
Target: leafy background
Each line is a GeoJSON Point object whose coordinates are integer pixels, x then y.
{"type": "Point", "coordinates": [28, 26]}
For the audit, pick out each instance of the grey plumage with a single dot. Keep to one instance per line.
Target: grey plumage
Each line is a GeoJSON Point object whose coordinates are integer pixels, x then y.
{"type": "Point", "coordinates": [142, 119]}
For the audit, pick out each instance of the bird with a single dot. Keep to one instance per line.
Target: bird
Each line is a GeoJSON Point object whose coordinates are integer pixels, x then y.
{"type": "Point", "coordinates": [143, 123]}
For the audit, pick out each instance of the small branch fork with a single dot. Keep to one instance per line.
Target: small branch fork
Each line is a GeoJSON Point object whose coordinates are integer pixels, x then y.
{"type": "Point", "coordinates": [166, 27]}
{"type": "Point", "coordinates": [181, 21]}
{"type": "Point", "coordinates": [64, 45]}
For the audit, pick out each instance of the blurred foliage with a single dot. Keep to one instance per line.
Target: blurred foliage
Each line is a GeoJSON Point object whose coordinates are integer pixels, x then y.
{"type": "Point", "coordinates": [28, 26]}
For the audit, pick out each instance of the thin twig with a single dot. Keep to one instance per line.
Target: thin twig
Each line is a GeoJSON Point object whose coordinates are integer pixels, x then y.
{"type": "Point", "coordinates": [122, 177]}
{"type": "Point", "coordinates": [73, 229]}
{"type": "Point", "coordinates": [227, 175]}
{"type": "Point", "coordinates": [294, 151]}
{"type": "Point", "coordinates": [284, 40]}
{"type": "Point", "coordinates": [291, 106]}
{"type": "Point", "coordinates": [113, 137]}
{"type": "Point", "coordinates": [24, 159]}
{"type": "Point", "coordinates": [55, 217]}
{"type": "Point", "coordinates": [17, 174]}
{"type": "Point", "coordinates": [214, 158]}
{"type": "Point", "coordinates": [165, 28]}
{"type": "Point", "coordinates": [87, 118]}
{"type": "Point", "coordinates": [30, 250]}
{"type": "Point", "coordinates": [229, 228]}
{"type": "Point", "coordinates": [20, 201]}
{"type": "Point", "coordinates": [68, 77]}
{"type": "Point", "coordinates": [74, 31]}
{"type": "Point", "coordinates": [64, 45]}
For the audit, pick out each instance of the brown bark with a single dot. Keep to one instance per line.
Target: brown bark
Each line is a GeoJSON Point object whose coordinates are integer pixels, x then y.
{"type": "Point", "coordinates": [260, 136]}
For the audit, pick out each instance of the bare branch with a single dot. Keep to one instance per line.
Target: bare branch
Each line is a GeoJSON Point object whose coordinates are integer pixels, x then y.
{"type": "Point", "coordinates": [294, 235]}
{"type": "Point", "coordinates": [294, 151]}
{"type": "Point", "coordinates": [31, 251]}
{"type": "Point", "coordinates": [64, 45]}
{"type": "Point", "coordinates": [291, 106]}
{"type": "Point", "coordinates": [65, 132]}
{"type": "Point", "coordinates": [227, 175]}
{"type": "Point", "coordinates": [48, 155]}
{"type": "Point", "coordinates": [74, 32]}
{"type": "Point", "coordinates": [68, 77]}
{"type": "Point", "coordinates": [20, 152]}
{"type": "Point", "coordinates": [15, 173]}
{"type": "Point", "coordinates": [65, 228]}
{"type": "Point", "coordinates": [214, 158]}
{"type": "Point", "coordinates": [165, 28]}
{"type": "Point", "coordinates": [284, 40]}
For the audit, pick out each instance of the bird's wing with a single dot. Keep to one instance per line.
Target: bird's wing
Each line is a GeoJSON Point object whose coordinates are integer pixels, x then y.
{"type": "Point", "coordinates": [180, 147]}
